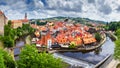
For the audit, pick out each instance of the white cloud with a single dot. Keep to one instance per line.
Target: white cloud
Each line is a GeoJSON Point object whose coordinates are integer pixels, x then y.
{"type": "Point", "coordinates": [105, 10]}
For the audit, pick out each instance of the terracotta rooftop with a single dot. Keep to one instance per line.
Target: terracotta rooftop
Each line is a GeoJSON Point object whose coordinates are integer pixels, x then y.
{"type": "Point", "coordinates": [25, 20]}
{"type": "Point", "coordinates": [16, 21]}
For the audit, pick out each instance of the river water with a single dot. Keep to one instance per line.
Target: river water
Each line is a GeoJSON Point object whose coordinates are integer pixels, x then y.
{"type": "Point", "coordinates": [83, 59]}
{"type": "Point", "coordinates": [17, 50]}
{"type": "Point", "coordinates": [88, 59]}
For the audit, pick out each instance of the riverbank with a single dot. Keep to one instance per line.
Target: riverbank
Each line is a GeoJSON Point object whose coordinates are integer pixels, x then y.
{"type": "Point", "coordinates": [112, 36]}
{"type": "Point", "coordinates": [113, 64]}
{"type": "Point", "coordinates": [99, 58]}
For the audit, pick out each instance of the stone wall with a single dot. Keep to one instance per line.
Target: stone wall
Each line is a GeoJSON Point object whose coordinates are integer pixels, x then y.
{"type": "Point", "coordinates": [3, 21]}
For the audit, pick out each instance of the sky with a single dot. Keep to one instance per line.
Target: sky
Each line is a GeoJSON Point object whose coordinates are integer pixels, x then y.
{"type": "Point", "coordinates": [104, 10]}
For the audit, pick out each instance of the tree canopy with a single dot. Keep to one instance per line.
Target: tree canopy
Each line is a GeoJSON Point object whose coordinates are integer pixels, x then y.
{"type": "Point", "coordinates": [117, 45]}
{"type": "Point", "coordinates": [6, 60]}
{"type": "Point", "coordinates": [113, 26]}
{"type": "Point", "coordinates": [11, 34]}
{"type": "Point", "coordinates": [117, 50]}
{"type": "Point", "coordinates": [98, 37]}
{"type": "Point", "coordinates": [117, 33]}
{"type": "Point", "coordinates": [30, 58]}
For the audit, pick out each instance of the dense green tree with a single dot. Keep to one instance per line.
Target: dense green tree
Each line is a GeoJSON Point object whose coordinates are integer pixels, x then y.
{"type": "Point", "coordinates": [7, 30]}
{"type": "Point", "coordinates": [41, 23]}
{"type": "Point", "coordinates": [1, 61]}
{"type": "Point", "coordinates": [11, 34]}
{"type": "Point", "coordinates": [9, 23]}
{"type": "Point", "coordinates": [19, 31]}
{"type": "Point", "coordinates": [98, 37]}
{"type": "Point", "coordinates": [117, 50]}
{"type": "Point", "coordinates": [27, 29]}
{"type": "Point", "coordinates": [117, 33]}
{"type": "Point", "coordinates": [30, 58]}
{"type": "Point", "coordinates": [8, 41]}
{"type": "Point", "coordinates": [6, 60]}
{"type": "Point", "coordinates": [113, 26]}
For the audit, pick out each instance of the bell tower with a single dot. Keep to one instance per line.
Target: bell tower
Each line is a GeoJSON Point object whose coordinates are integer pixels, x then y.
{"type": "Point", "coordinates": [25, 16]}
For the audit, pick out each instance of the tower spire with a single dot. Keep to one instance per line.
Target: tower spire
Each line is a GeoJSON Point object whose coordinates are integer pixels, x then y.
{"type": "Point", "coordinates": [25, 16]}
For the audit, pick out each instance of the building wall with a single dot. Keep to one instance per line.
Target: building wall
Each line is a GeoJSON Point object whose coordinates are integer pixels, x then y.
{"type": "Point", "coordinates": [3, 21]}
{"type": "Point", "coordinates": [16, 25]}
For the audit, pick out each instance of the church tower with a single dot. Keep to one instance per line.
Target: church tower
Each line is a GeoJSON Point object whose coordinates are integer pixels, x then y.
{"type": "Point", "coordinates": [25, 16]}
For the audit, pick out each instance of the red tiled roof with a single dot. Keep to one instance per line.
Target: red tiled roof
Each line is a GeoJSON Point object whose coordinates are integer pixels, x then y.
{"type": "Point", "coordinates": [24, 20]}
{"type": "Point", "coordinates": [16, 21]}
{"type": "Point", "coordinates": [89, 40]}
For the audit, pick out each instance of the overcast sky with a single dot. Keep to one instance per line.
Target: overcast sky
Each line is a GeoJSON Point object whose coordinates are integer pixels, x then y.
{"type": "Point", "coordinates": [105, 10]}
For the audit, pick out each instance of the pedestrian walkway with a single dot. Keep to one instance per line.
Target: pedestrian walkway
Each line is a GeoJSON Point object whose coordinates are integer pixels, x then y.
{"type": "Point", "coordinates": [112, 64]}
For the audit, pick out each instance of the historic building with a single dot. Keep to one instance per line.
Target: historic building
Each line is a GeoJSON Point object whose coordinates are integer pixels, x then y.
{"type": "Point", "coordinates": [25, 20]}
{"type": "Point", "coordinates": [3, 21]}
{"type": "Point", "coordinates": [18, 23]}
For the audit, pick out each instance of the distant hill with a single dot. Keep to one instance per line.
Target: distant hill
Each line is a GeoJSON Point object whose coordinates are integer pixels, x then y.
{"type": "Point", "coordinates": [75, 19]}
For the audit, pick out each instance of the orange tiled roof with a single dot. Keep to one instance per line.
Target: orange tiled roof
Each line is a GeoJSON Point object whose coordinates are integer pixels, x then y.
{"type": "Point", "coordinates": [16, 21]}
{"type": "Point", "coordinates": [43, 28]}
{"type": "Point", "coordinates": [70, 38]}
{"type": "Point", "coordinates": [25, 20]}
{"type": "Point", "coordinates": [89, 40]}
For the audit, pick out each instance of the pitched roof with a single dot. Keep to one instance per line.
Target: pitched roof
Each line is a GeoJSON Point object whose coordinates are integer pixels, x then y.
{"type": "Point", "coordinates": [16, 21]}
{"type": "Point", "coordinates": [25, 20]}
